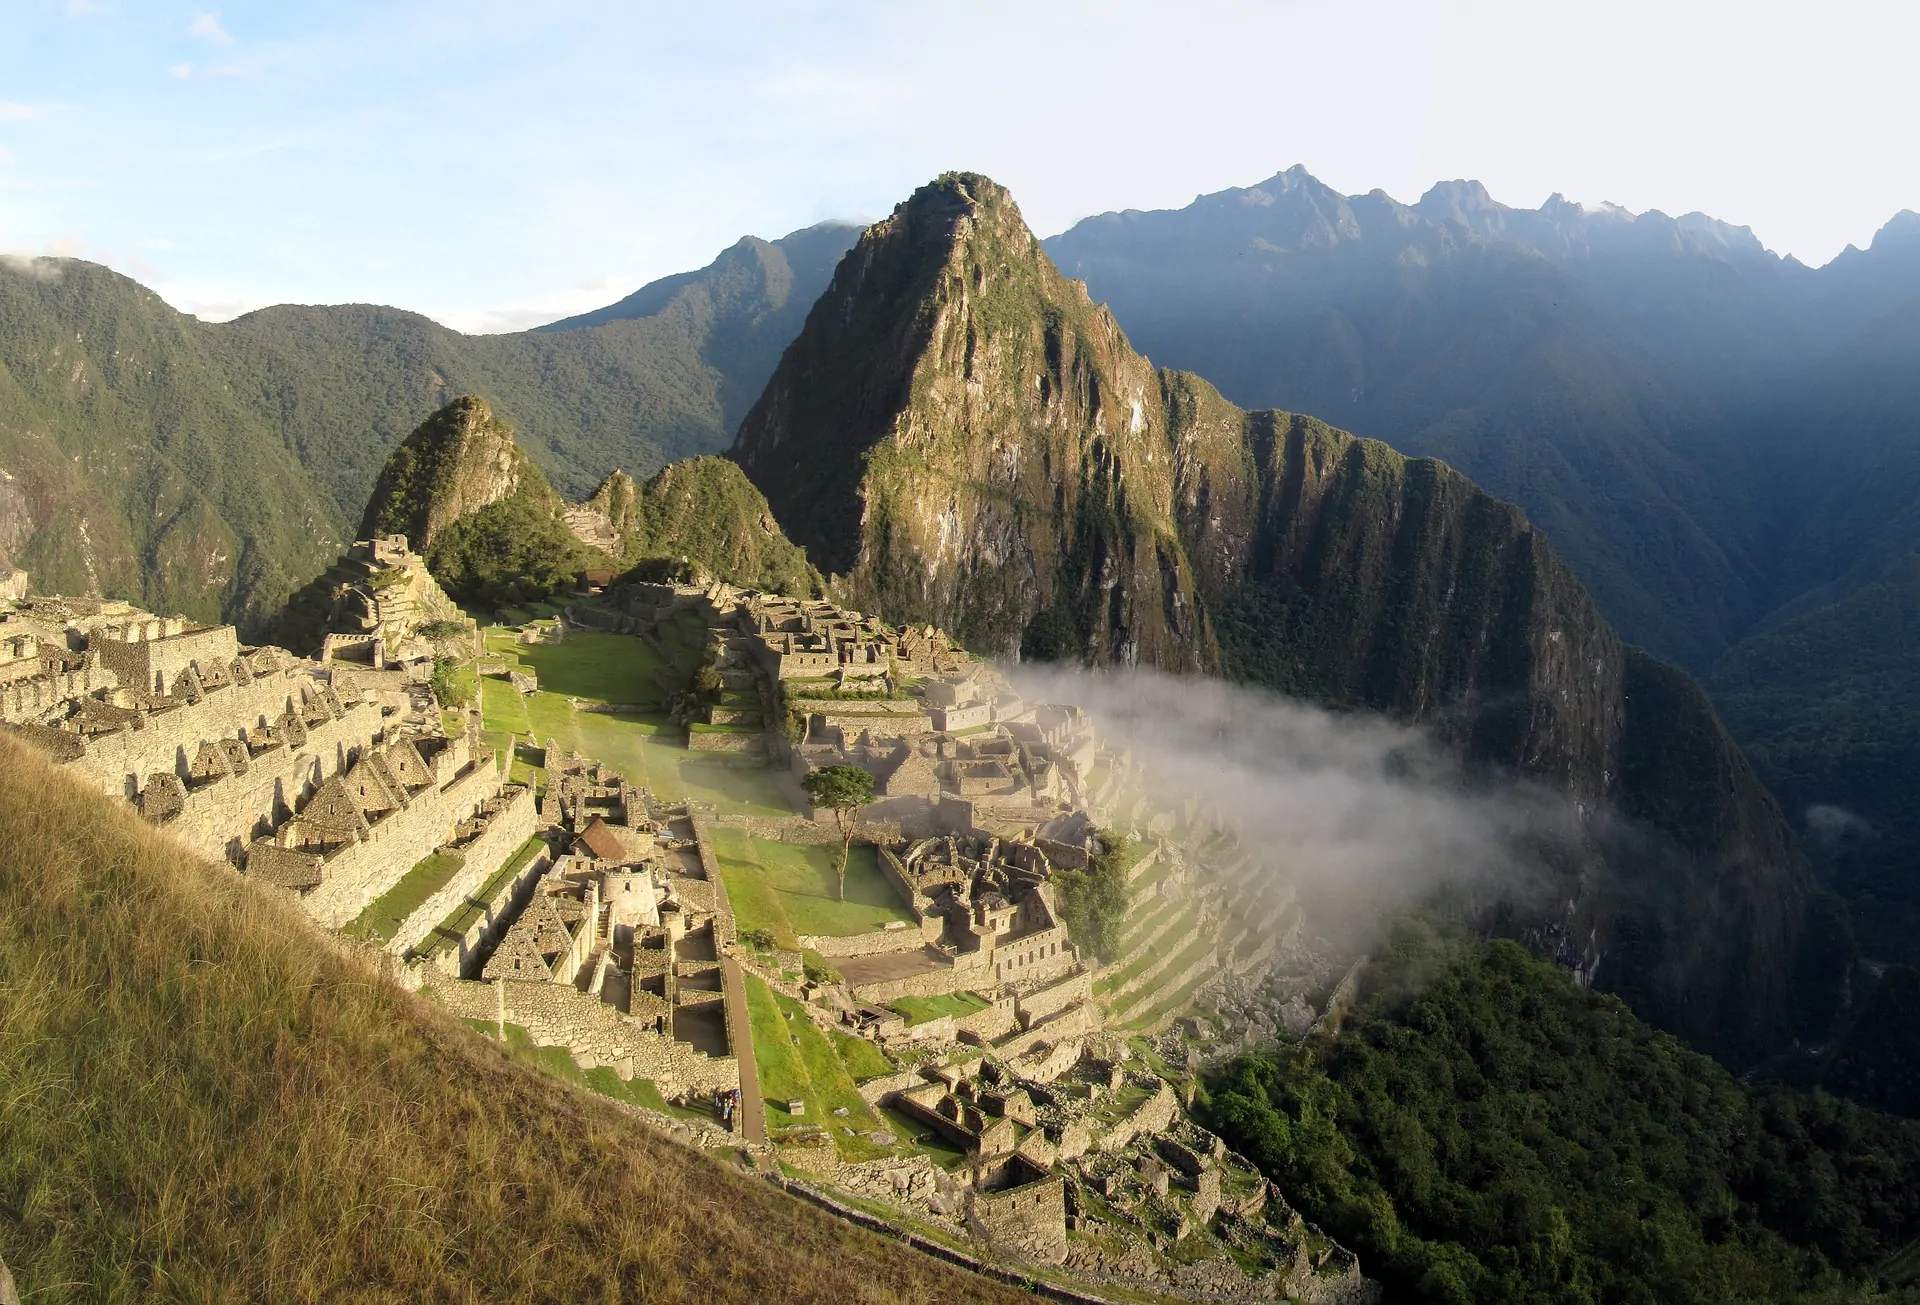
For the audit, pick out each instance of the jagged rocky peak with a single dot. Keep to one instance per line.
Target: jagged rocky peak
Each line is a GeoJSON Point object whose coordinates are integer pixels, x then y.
{"type": "Point", "coordinates": [457, 461]}
{"type": "Point", "coordinates": [948, 384]}
{"type": "Point", "coordinates": [1461, 201]}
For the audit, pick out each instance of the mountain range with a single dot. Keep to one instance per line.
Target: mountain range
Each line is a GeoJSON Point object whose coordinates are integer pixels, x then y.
{"type": "Point", "coordinates": [961, 436]}
{"type": "Point", "coordinates": [1724, 443]}
{"type": "Point", "coordinates": [211, 469]}
{"type": "Point", "coordinates": [1718, 441]}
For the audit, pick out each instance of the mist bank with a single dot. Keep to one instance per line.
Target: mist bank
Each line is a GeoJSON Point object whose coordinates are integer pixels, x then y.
{"type": "Point", "coordinates": [1361, 816]}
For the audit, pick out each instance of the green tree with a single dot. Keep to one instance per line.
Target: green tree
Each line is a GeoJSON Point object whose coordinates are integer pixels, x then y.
{"type": "Point", "coordinates": [842, 790]}
{"type": "Point", "coordinates": [1093, 901]}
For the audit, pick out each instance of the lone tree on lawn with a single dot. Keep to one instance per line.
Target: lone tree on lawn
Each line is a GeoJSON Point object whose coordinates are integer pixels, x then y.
{"type": "Point", "coordinates": [842, 790]}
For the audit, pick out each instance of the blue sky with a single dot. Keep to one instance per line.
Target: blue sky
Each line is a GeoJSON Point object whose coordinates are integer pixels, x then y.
{"type": "Point", "coordinates": [498, 164]}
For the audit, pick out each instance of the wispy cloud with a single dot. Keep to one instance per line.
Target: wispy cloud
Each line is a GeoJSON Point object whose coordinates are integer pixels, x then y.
{"type": "Point", "coordinates": [207, 27]}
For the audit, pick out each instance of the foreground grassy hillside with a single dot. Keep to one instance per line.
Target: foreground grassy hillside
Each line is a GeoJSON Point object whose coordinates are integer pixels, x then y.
{"type": "Point", "coordinates": [199, 1103]}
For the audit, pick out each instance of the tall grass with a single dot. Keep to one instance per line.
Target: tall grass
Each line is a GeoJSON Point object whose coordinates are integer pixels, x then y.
{"type": "Point", "coordinates": [201, 1101]}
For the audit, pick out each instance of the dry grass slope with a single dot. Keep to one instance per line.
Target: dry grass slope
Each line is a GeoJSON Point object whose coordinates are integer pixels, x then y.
{"type": "Point", "coordinates": [199, 1104]}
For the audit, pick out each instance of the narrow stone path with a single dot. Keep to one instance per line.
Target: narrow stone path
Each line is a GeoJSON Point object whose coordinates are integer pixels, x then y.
{"type": "Point", "coordinates": [753, 1108]}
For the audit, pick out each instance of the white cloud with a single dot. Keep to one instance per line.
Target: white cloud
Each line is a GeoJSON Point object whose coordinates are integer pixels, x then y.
{"type": "Point", "coordinates": [207, 28]}
{"type": "Point", "coordinates": [14, 111]}
{"type": "Point", "coordinates": [181, 70]}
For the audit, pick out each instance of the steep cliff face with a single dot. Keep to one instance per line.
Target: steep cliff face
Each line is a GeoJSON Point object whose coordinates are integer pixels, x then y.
{"type": "Point", "coordinates": [960, 436]}
{"type": "Point", "coordinates": [459, 460]}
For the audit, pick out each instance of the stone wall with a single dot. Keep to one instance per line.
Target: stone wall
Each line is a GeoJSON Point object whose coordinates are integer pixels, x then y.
{"type": "Point", "coordinates": [460, 958]}
{"type": "Point", "coordinates": [1041, 1002]}
{"type": "Point", "coordinates": [747, 744]}
{"type": "Point", "coordinates": [880, 942]}
{"type": "Point", "coordinates": [559, 1015]}
{"type": "Point", "coordinates": [506, 831]}
{"type": "Point", "coordinates": [970, 971]}
{"type": "Point", "coordinates": [876, 1090]}
{"type": "Point", "coordinates": [360, 872]}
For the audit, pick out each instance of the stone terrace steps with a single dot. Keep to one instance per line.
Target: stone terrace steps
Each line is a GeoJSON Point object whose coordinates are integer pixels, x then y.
{"type": "Point", "coordinates": [1138, 928]}
{"type": "Point", "coordinates": [1199, 956]}
{"type": "Point", "coordinates": [1172, 947]}
{"type": "Point", "coordinates": [1173, 999]}
{"type": "Point", "coordinates": [1135, 956]}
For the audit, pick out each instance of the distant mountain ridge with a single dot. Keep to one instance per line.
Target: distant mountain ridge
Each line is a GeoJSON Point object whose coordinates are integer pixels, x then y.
{"type": "Point", "coordinates": [1724, 443]}
{"type": "Point", "coordinates": [961, 436]}
{"type": "Point", "coordinates": [211, 469]}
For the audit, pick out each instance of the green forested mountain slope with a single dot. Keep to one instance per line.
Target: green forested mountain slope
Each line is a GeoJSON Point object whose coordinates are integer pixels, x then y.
{"type": "Point", "coordinates": [961, 436]}
{"type": "Point", "coordinates": [1484, 1131]}
{"type": "Point", "coordinates": [1826, 693]}
{"type": "Point", "coordinates": [211, 468]}
{"type": "Point", "coordinates": [704, 511]}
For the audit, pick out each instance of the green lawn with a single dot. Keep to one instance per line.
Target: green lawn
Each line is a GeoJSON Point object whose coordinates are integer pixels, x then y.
{"type": "Point", "coordinates": [862, 1059]}
{"type": "Point", "coordinates": [919, 1010]}
{"type": "Point", "coordinates": [791, 889]}
{"type": "Point", "coordinates": [644, 747]}
{"type": "Point", "coordinates": [450, 930]}
{"type": "Point", "coordinates": [384, 914]}
{"type": "Point", "coordinates": [796, 1060]}
{"type": "Point", "coordinates": [590, 664]}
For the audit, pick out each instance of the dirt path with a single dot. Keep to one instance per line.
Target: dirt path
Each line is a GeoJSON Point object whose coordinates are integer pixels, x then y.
{"type": "Point", "coordinates": [753, 1110]}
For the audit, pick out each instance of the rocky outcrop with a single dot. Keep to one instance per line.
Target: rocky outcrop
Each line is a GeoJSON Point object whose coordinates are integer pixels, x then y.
{"type": "Point", "coordinates": [459, 460]}
{"type": "Point", "coordinates": [700, 515]}
{"type": "Point", "coordinates": [962, 438]}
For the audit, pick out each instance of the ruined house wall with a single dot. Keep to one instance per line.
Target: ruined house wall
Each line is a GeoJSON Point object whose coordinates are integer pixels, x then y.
{"type": "Point", "coordinates": [121, 762]}
{"type": "Point", "coordinates": [155, 664]}
{"type": "Point", "coordinates": [1029, 1222]}
{"type": "Point", "coordinates": [30, 699]}
{"type": "Point", "coordinates": [506, 831]}
{"type": "Point", "coordinates": [360, 872]}
{"type": "Point", "coordinates": [458, 959]}
{"type": "Point", "coordinates": [1038, 957]}
{"type": "Point", "coordinates": [1065, 1025]}
{"type": "Point", "coordinates": [221, 818]}
{"type": "Point", "coordinates": [995, 1021]}
{"type": "Point", "coordinates": [1153, 1116]}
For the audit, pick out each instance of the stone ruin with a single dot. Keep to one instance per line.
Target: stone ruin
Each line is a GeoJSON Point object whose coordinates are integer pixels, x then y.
{"type": "Point", "coordinates": [613, 948]}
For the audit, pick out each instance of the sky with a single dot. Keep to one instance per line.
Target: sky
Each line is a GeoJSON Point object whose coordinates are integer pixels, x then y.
{"type": "Point", "coordinates": [495, 165]}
